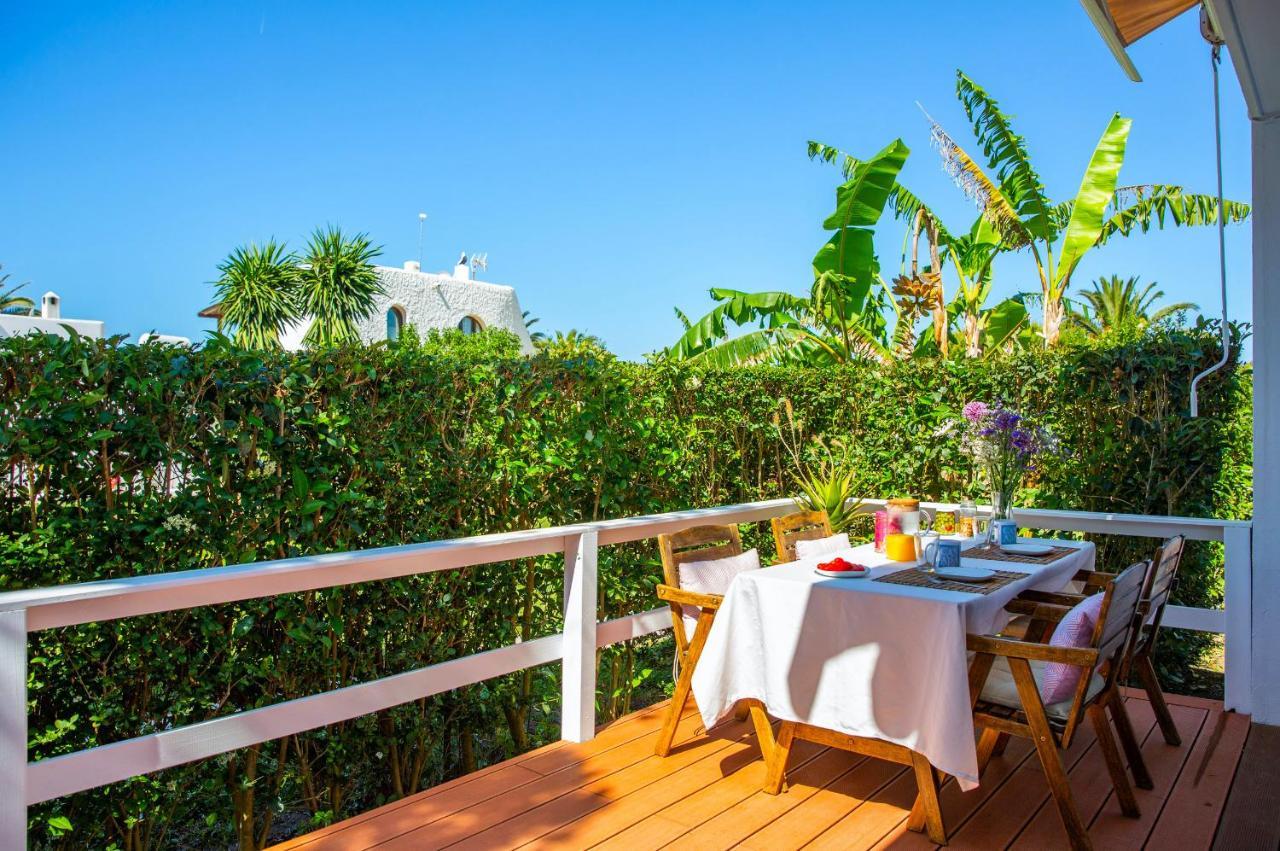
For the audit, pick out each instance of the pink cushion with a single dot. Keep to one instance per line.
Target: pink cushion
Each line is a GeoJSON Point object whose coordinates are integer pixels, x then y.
{"type": "Point", "coordinates": [1075, 630]}
{"type": "Point", "coordinates": [822, 546]}
{"type": "Point", "coordinates": [712, 577]}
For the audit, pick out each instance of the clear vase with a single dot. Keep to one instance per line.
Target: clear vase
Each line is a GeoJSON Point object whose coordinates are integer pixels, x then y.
{"type": "Point", "coordinates": [1001, 508]}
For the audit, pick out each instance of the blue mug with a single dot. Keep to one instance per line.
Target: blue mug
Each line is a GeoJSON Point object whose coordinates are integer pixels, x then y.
{"type": "Point", "coordinates": [1004, 532]}
{"type": "Point", "coordinates": [948, 554]}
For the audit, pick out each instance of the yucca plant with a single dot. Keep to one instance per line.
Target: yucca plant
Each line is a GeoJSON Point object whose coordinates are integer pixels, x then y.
{"type": "Point", "coordinates": [822, 472]}
{"type": "Point", "coordinates": [337, 286]}
{"type": "Point", "coordinates": [258, 292]}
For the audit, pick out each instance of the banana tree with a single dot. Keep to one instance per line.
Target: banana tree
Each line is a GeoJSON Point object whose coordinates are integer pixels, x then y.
{"type": "Point", "coordinates": [1059, 235]}
{"type": "Point", "coordinates": [830, 323]}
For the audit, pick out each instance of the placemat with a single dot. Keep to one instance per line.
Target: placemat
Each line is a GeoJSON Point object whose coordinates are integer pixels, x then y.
{"type": "Point", "coordinates": [915, 577]}
{"type": "Point", "coordinates": [992, 552]}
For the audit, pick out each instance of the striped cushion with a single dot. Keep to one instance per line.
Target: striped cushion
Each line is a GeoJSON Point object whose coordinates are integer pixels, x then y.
{"type": "Point", "coordinates": [1074, 630]}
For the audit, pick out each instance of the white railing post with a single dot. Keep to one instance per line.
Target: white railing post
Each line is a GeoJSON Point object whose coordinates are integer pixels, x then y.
{"type": "Point", "coordinates": [578, 668]}
{"type": "Point", "coordinates": [13, 729]}
{"type": "Point", "coordinates": [1237, 592]}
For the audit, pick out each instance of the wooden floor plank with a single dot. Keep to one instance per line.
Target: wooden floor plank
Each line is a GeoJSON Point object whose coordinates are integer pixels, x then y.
{"type": "Point", "coordinates": [872, 820]}
{"type": "Point", "coordinates": [735, 824]}
{"type": "Point", "coordinates": [1189, 817]}
{"type": "Point", "coordinates": [1003, 815]}
{"type": "Point", "coordinates": [366, 829]}
{"type": "Point", "coordinates": [957, 805]}
{"type": "Point", "coordinates": [613, 792]}
{"type": "Point", "coordinates": [1110, 827]}
{"type": "Point", "coordinates": [807, 820]}
{"type": "Point", "coordinates": [1090, 786]}
{"type": "Point", "coordinates": [1249, 819]}
{"type": "Point", "coordinates": [705, 803]}
{"type": "Point", "coordinates": [653, 784]}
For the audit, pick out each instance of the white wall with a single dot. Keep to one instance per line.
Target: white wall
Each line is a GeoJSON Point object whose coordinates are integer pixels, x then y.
{"type": "Point", "coordinates": [1266, 421]}
{"type": "Point", "coordinates": [435, 301]}
{"type": "Point", "coordinates": [12, 326]}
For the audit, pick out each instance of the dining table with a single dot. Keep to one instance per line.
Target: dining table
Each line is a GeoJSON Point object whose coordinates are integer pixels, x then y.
{"type": "Point", "coordinates": [879, 659]}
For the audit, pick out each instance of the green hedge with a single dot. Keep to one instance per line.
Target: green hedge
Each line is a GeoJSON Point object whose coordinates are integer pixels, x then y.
{"type": "Point", "coordinates": [122, 460]}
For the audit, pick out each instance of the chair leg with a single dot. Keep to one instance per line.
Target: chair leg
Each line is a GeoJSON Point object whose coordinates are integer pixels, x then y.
{"type": "Point", "coordinates": [1002, 742]}
{"type": "Point", "coordinates": [1115, 765]}
{"type": "Point", "coordinates": [681, 696]}
{"type": "Point", "coordinates": [926, 813]}
{"type": "Point", "coordinates": [1147, 673]}
{"type": "Point", "coordinates": [1129, 742]}
{"type": "Point", "coordinates": [775, 776]}
{"type": "Point", "coordinates": [741, 711]}
{"type": "Point", "coordinates": [1050, 757]}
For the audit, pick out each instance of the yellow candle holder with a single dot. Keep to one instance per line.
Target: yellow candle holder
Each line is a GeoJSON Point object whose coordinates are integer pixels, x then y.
{"type": "Point", "coordinates": [900, 547]}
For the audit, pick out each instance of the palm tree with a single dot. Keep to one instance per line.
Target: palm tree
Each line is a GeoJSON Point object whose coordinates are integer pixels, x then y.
{"type": "Point", "coordinates": [258, 293]}
{"type": "Point", "coordinates": [337, 286]}
{"type": "Point", "coordinates": [535, 337]}
{"type": "Point", "coordinates": [1116, 303]}
{"type": "Point", "coordinates": [834, 321]}
{"type": "Point", "coordinates": [12, 303]}
{"type": "Point", "coordinates": [1059, 235]}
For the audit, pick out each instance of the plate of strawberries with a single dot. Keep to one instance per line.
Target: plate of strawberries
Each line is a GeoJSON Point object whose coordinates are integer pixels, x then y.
{"type": "Point", "coordinates": [840, 568]}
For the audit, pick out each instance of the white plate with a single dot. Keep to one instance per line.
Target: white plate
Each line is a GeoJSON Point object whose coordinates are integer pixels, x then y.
{"type": "Point", "coordinates": [1026, 549]}
{"type": "Point", "coordinates": [843, 574]}
{"type": "Point", "coordinates": [966, 574]}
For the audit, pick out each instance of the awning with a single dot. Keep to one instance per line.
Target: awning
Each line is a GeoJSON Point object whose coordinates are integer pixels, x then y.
{"type": "Point", "coordinates": [1122, 22]}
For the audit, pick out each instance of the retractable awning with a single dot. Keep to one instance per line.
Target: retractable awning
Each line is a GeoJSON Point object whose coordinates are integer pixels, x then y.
{"type": "Point", "coordinates": [1122, 22]}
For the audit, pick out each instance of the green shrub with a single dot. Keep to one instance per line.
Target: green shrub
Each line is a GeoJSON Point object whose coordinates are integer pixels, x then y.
{"type": "Point", "coordinates": [124, 460]}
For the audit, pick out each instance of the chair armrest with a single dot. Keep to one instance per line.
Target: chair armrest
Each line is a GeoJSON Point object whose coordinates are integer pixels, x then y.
{"type": "Point", "coordinates": [1039, 609]}
{"type": "Point", "coordinates": [672, 594]}
{"type": "Point", "coordinates": [1093, 578]}
{"type": "Point", "coordinates": [1056, 600]}
{"type": "Point", "coordinates": [1083, 657]}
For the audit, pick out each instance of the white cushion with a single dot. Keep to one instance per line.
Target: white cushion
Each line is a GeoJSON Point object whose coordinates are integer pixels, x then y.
{"type": "Point", "coordinates": [822, 546]}
{"type": "Point", "coordinates": [1000, 688]}
{"type": "Point", "coordinates": [712, 577]}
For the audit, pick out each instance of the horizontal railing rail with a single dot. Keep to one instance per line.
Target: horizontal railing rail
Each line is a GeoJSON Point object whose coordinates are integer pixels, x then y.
{"type": "Point", "coordinates": [23, 612]}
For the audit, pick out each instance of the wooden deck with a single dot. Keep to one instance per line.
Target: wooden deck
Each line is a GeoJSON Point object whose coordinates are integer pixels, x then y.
{"type": "Point", "coordinates": [613, 792]}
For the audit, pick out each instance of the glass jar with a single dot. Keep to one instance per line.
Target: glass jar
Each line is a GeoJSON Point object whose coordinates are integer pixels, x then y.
{"type": "Point", "coordinates": [967, 519]}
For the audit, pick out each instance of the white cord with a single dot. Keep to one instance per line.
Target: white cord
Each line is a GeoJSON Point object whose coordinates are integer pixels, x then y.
{"type": "Point", "coordinates": [1215, 59]}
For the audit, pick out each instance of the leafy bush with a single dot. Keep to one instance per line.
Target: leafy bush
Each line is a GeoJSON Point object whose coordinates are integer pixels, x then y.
{"type": "Point", "coordinates": [124, 460]}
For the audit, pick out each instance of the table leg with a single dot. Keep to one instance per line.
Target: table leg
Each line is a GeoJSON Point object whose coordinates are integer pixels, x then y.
{"type": "Point", "coordinates": [775, 776]}
{"type": "Point", "coordinates": [926, 813]}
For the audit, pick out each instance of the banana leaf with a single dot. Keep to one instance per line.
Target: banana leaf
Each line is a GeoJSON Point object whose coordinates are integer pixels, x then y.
{"type": "Point", "coordinates": [1097, 188]}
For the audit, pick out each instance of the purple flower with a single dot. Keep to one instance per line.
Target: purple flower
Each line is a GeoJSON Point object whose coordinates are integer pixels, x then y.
{"type": "Point", "coordinates": [976, 411]}
{"type": "Point", "coordinates": [1006, 420]}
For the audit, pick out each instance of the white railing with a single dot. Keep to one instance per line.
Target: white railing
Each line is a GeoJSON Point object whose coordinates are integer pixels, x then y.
{"type": "Point", "coordinates": [23, 612]}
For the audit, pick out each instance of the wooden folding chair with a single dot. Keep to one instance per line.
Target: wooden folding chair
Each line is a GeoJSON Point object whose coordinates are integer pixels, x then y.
{"type": "Point", "coordinates": [801, 526]}
{"type": "Point", "coordinates": [1159, 585]}
{"type": "Point", "coordinates": [1005, 674]}
{"type": "Point", "coordinates": [700, 543]}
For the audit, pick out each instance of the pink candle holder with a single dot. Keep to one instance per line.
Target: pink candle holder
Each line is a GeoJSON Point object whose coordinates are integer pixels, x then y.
{"type": "Point", "coordinates": [885, 526]}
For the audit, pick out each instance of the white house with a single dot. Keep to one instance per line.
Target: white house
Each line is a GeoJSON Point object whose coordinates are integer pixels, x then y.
{"type": "Point", "coordinates": [49, 321]}
{"type": "Point", "coordinates": [425, 301]}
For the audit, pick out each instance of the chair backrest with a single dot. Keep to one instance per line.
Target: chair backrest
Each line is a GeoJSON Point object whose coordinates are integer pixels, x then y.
{"type": "Point", "coordinates": [1159, 586]}
{"type": "Point", "coordinates": [801, 526]}
{"type": "Point", "coordinates": [699, 543]}
{"type": "Point", "coordinates": [1113, 635]}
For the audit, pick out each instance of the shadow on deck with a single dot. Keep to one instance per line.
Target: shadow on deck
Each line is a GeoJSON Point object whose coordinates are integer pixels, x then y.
{"type": "Point", "coordinates": [613, 792]}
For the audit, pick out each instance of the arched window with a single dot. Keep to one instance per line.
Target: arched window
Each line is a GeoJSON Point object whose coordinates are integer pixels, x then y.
{"type": "Point", "coordinates": [395, 322]}
{"type": "Point", "coordinates": [469, 325]}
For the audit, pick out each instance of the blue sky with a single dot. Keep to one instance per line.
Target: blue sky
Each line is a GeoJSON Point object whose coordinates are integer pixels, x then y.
{"type": "Point", "coordinates": [614, 161]}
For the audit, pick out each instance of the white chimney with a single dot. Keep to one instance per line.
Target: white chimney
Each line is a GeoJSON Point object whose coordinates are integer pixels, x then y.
{"type": "Point", "coordinates": [462, 270]}
{"type": "Point", "coordinates": [50, 306]}
{"type": "Point", "coordinates": [412, 266]}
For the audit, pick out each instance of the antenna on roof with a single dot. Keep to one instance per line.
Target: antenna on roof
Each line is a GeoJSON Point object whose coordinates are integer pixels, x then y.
{"type": "Point", "coordinates": [478, 262]}
{"type": "Point", "coordinates": [422, 221]}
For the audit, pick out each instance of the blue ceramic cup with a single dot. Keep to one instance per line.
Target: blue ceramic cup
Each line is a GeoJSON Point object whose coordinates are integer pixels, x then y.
{"type": "Point", "coordinates": [948, 553]}
{"type": "Point", "coordinates": [1004, 532]}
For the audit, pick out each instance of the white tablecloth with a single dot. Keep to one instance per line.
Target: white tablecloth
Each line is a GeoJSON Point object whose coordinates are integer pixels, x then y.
{"type": "Point", "coordinates": [862, 657]}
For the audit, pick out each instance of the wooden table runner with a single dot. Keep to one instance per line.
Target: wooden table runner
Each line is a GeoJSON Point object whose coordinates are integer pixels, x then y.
{"type": "Point", "coordinates": [916, 577]}
{"type": "Point", "coordinates": [992, 552]}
